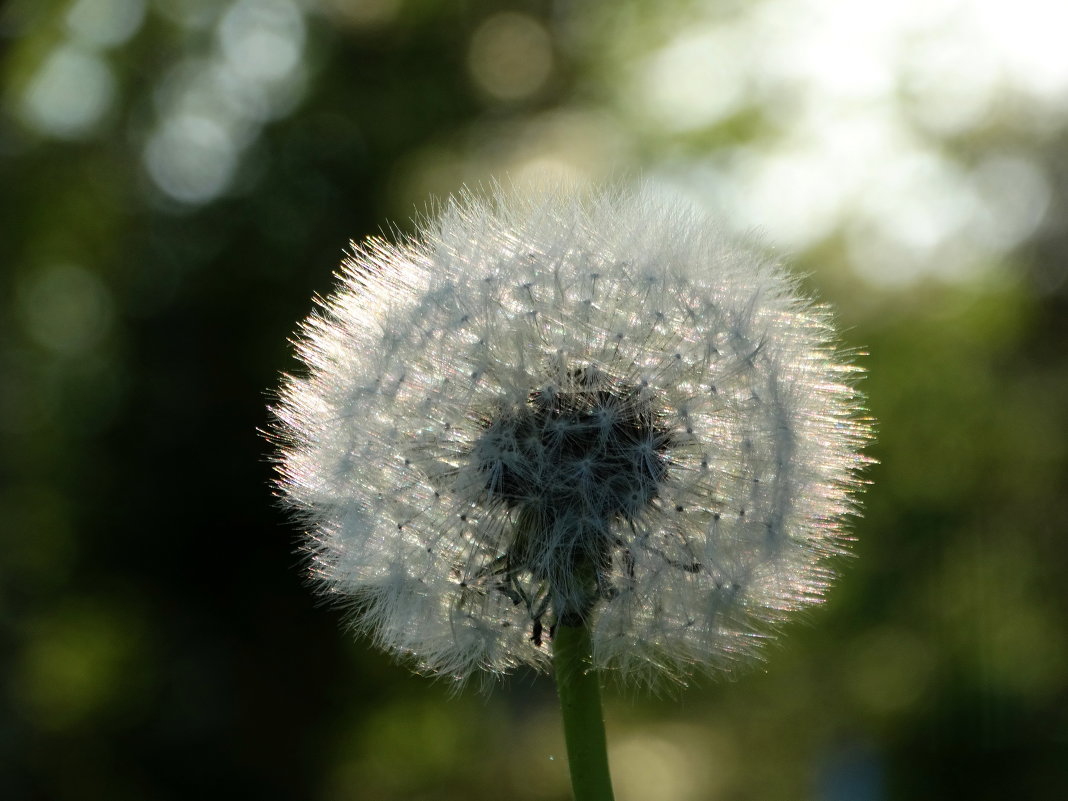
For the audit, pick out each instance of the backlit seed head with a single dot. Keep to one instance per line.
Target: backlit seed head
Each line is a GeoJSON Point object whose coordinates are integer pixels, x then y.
{"type": "Point", "coordinates": [560, 409]}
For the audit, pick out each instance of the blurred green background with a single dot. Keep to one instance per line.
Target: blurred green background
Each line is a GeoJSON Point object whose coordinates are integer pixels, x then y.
{"type": "Point", "coordinates": [178, 177]}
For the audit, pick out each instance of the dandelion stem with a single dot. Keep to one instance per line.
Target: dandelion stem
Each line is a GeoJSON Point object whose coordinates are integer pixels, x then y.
{"type": "Point", "coordinates": [580, 702]}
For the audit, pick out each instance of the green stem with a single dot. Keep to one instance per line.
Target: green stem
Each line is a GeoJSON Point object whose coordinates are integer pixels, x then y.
{"type": "Point", "coordinates": [580, 701]}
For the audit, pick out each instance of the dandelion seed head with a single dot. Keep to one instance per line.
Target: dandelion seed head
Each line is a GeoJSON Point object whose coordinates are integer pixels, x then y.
{"type": "Point", "coordinates": [561, 408]}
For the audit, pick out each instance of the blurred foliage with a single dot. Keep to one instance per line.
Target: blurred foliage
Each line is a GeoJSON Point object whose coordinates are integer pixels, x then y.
{"type": "Point", "coordinates": [180, 176]}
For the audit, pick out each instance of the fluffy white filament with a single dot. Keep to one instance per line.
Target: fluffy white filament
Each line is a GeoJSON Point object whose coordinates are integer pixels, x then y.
{"type": "Point", "coordinates": [560, 406]}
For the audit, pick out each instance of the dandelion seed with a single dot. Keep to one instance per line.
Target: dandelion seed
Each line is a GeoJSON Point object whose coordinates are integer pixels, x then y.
{"type": "Point", "coordinates": [562, 410]}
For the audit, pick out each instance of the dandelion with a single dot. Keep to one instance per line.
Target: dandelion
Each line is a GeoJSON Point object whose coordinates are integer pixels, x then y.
{"type": "Point", "coordinates": [558, 413]}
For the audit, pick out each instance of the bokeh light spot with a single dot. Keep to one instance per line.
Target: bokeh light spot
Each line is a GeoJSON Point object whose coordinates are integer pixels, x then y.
{"type": "Point", "coordinates": [105, 23]}
{"type": "Point", "coordinates": [70, 93]}
{"type": "Point", "coordinates": [946, 90]}
{"type": "Point", "coordinates": [191, 158]}
{"type": "Point", "coordinates": [693, 82]}
{"type": "Point", "coordinates": [75, 664]}
{"type": "Point", "coordinates": [669, 762]}
{"type": "Point", "coordinates": [262, 40]}
{"type": "Point", "coordinates": [510, 56]}
{"type": "Point", "coordinates": [890, 670]}
{"type": "Point", "coordinates": [1014, 195]}
{"type": "Point", "coordinates": [65, 308]}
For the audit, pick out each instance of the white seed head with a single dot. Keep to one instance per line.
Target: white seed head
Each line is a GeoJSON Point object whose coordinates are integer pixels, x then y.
{"type": "Point", "coordinates": [570, 408]}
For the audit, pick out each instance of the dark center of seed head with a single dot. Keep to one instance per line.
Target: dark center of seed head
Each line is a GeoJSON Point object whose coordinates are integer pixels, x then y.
{"type": "Point", "coordinates": [590, 446]}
